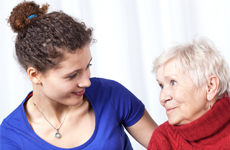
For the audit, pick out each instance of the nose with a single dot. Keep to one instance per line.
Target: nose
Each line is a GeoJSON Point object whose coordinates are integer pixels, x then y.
{"type": "Point", "coordinates": [84, 80]}
{"type": "Point", "coordinates": [165, 96]}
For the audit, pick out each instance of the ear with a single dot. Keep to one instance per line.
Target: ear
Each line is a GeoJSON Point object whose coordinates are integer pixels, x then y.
{"type": "Point", "coordinates": [212, 87]}
{"type": "Point", "coordinates": [34, 75]}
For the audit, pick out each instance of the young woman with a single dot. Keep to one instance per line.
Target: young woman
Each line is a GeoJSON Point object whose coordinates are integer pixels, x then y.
{"type": "Point", "coordinates": [67, 109]}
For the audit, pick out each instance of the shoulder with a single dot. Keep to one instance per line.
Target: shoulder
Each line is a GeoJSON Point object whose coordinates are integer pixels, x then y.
{"type": "Point", "coordinates": [162, 130]}
{"type": "Point", "coordinates": [111, 94]}
{"type": "Point", "coordinates": [10, 129]}
{"type": "Point", "coordinates": [160, 138]}
{"type": "Point", "coordinates": [106, 88]}
{"type": "Point", "coordinates": [111, 90]}
{"type": "Point", "coordinates": [104, 83]}
{"type": "Point", "coordinates": [16, 120]}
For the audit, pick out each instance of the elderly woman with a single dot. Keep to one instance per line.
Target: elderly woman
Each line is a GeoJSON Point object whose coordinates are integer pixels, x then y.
{"type": "Point", "coordinates": [194, 81]}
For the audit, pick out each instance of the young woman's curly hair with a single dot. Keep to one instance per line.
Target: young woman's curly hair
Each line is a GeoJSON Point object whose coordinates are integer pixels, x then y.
{"type": "Point", "coordinates": [43, 38]}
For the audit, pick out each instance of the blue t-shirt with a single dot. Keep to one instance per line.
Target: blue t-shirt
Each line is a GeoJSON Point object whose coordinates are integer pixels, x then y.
{"type": "Point", "coordinates": [114, 107]}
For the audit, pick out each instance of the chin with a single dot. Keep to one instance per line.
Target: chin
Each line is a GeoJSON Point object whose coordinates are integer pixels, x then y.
{"type": "Point", "coordinates": [176, 123]}
{"type": "Point", "coordinates": [173, 122]}
{"type": "Point", "coordinates": [78, 102]}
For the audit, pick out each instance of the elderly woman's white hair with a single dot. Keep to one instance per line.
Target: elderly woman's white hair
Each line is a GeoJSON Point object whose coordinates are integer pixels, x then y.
{"type": "Point", "coordinates": [199, 60]}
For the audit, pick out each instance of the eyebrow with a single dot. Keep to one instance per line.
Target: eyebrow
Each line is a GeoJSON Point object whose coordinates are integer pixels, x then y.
{"type": "Point", "coordinates": [77, 70]}
{"type": "Point", "coordinates": [168, 76]}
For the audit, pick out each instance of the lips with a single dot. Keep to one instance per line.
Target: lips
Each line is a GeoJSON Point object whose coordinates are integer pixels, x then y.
{"type": "Point", "coordinates": [169, 110]}
{"type": "Point", "coordinates": [80, 93]}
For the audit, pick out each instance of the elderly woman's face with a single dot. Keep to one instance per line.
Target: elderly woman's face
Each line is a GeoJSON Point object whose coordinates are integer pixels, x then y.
{"type": "Point", "coordinates": [183, 102]}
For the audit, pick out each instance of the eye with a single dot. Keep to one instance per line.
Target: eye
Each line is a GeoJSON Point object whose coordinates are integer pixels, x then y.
{"type": "Point", "coordinates": [72, 76]}
{"type": "Point", "coordinates": [161, 86]}
{"type": "Point", "coordinates": [88, 66]}
{"type": "Point", "coordinates": [173, 82]}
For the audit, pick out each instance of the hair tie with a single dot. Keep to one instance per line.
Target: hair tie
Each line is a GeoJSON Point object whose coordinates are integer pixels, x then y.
{"type": "Point", "coordinates": [31, 16]}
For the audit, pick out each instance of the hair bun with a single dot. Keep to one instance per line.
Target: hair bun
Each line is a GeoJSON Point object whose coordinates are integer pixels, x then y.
{"type": "Point", "coordinates": [19, 16]}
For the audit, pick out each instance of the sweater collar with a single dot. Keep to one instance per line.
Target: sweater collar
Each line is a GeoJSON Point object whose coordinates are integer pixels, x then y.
{"type": "Point", "coordinates": [209, 123]}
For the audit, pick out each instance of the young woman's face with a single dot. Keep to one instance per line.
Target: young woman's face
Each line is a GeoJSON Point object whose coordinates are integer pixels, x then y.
{"type": "Point", "coordinates": [66, 85]}
{"type": "Point", "coordinates": [183, 102]}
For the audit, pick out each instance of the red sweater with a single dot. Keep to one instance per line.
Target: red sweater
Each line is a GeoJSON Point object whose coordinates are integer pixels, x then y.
{"type": "Point", "coordinates": [209, 132]}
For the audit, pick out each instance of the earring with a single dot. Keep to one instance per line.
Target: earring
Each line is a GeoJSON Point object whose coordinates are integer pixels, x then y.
{"type": "Point", "coordinates": [210, 104]}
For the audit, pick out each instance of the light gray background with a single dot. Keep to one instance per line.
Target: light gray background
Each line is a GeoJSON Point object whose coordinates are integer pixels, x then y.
{"type": "Point", "coordinates": [130, 35]}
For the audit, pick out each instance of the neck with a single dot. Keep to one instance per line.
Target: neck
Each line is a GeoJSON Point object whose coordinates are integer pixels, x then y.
{"type": "Point", "coordinates": [51, 109]}
{"type": "Point", "coordinates": [210, 123]}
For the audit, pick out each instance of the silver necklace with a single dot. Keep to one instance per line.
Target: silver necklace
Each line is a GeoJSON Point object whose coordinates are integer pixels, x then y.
{"type": "Point", "coordinates": [57, 134]}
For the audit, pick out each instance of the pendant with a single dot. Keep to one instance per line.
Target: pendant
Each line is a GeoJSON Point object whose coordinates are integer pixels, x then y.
{"type": "Point", "coordinates": [57, 134]}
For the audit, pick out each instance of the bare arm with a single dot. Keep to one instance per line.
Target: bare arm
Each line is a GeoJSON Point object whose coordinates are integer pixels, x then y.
{"type": "Point", "coordinates": [143, 129]}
